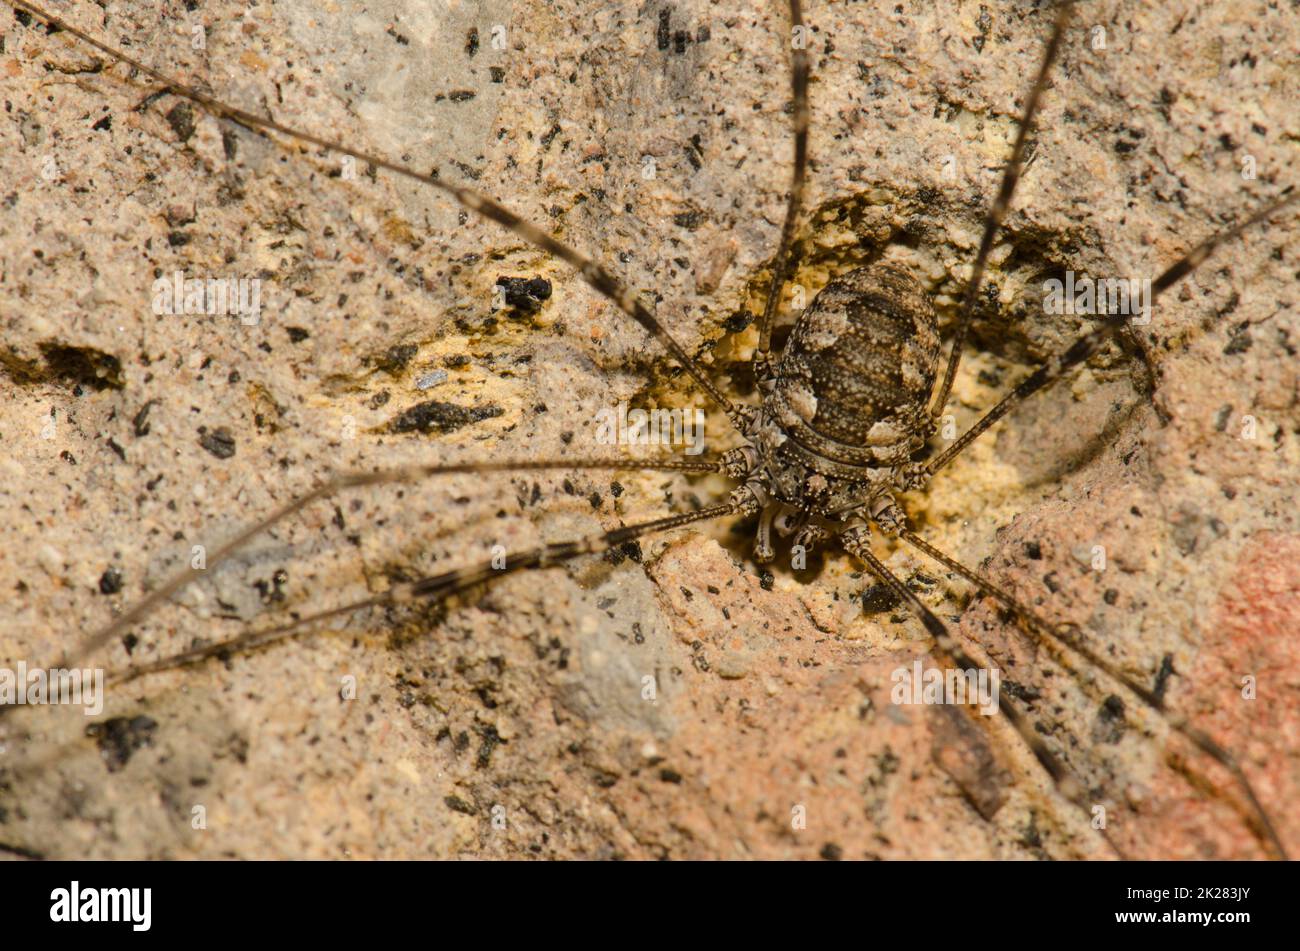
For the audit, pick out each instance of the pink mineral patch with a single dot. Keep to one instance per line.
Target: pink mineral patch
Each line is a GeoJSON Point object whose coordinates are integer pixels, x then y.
{"type": "Point", "coordinates": [1252, 632]}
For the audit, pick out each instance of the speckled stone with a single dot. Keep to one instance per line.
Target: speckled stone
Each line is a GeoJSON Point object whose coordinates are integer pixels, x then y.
{"type": "Point", "coordinates": [595, 710]}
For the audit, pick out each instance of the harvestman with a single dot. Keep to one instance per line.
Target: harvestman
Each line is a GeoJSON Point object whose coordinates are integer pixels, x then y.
{"type": "Point", "coordinates": [844, 412]}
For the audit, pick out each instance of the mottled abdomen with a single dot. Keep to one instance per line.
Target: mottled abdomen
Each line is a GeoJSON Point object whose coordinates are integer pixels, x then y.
{"type": "Point", "coordinates": [856, 376]}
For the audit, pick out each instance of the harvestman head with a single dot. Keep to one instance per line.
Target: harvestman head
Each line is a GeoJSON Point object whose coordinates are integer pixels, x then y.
{"type": "Point", "coordinates": [838, 433]}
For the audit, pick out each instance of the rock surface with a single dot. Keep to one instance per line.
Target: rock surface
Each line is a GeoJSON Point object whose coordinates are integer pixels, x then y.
{"type": "Point", "coordinates": [668, 701]}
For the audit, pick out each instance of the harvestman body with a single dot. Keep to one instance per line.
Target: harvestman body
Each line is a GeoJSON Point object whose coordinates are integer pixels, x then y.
{"type": "Point", "coordinates": [844, 412]}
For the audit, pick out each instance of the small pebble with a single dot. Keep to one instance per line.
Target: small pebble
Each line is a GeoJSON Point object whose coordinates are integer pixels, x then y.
{"type": "Point", "coordinates": [429, 380]}
{"type": "Point", "coordinates": [51, 559]}
{"type": "Point", "coordinates": [733, 665]}
{"type": "Point", "coordinates": [1083, 554]}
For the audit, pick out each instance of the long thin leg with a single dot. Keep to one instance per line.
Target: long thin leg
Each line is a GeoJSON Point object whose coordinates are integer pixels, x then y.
{"type": "Point", "coordinates": [1010, 177]}
{"type": "Point", "coordinates": [950, 652]}
{"type": "Point", "coordinates": [1040, 630]}
{"type": "Point", "coordinates": [1091, 342]}
{"type": "Point", "coordinates": [781, 267]}
{"type": "Point", "coordinates": [434, 588]}
{"type": "Point", "coordinates": [592, 272]}
{"type": "Point", "coordinates": [351, 480]}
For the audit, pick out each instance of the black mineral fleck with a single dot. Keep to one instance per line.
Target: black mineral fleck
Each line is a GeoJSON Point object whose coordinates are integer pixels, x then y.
{"type": "Point", "coordinates": [119, 738]}
{"type": "Point", "coordinates": [435, 416]}
{"type": "Point", "coordinates": [218, 441]}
